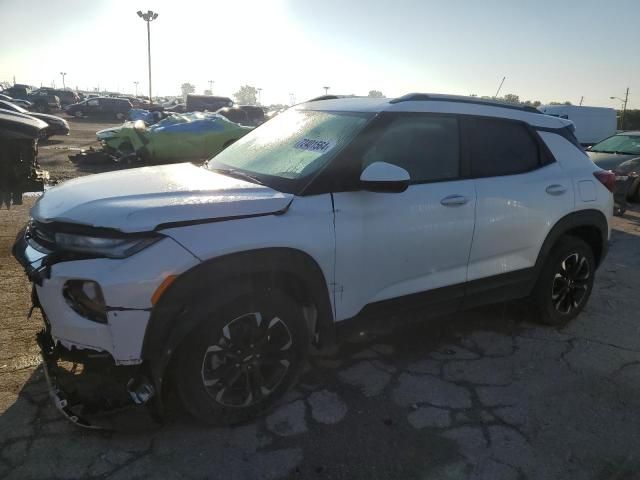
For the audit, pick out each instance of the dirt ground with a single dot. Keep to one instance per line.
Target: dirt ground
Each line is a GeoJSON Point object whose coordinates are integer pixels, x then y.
{"type": "Point", "coordinates": [484, 394]}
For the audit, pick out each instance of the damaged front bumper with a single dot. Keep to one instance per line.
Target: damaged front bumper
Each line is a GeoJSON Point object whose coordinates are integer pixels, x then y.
{"type": "Point", "coordinates": [87, 388]}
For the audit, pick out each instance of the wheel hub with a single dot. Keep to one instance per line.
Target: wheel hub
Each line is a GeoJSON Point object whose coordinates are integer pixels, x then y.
{"type": "Point", "coordinates": [571, 283]}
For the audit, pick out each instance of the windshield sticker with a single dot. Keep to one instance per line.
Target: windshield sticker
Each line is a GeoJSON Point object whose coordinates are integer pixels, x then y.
{"type": "Point", "coordinates": [313, 145]}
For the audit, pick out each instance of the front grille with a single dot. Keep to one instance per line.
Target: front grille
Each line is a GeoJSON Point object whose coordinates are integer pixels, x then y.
{"type": "Point", "coordinates": [41, 237]}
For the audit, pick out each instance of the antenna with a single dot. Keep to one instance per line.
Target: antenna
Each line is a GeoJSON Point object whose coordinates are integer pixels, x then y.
{"type": "Point", "coordinates": [500, 87]}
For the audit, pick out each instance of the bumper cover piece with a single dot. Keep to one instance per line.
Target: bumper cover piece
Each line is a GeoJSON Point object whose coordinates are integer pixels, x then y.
{"type": "Point", "coordinates": [90, 399]}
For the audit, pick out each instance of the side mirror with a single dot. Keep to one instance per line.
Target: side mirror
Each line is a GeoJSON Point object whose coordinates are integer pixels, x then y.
{"type": "Point", "coordinates": [384, 177]}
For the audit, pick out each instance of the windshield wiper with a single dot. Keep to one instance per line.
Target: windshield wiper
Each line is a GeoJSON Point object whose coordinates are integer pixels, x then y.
{"type": "Point", "coordinates": [232, 172]}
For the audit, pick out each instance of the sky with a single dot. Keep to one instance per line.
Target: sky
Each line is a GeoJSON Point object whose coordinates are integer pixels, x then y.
{"type": "Point", "coordinates": [548, 50]}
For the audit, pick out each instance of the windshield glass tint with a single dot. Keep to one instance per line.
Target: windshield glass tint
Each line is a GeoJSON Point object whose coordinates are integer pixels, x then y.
{"type": "Point", "coordinates": [293, 145]}
{"type": "Point", "coordinates": [620, 144]}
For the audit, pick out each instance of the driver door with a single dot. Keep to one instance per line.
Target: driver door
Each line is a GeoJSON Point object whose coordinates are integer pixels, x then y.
{"type": "Point", "coordinates": [392, 245]}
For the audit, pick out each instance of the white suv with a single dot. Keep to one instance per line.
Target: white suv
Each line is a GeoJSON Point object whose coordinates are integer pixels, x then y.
{"type": "Point", "coordinates": [336, 209]}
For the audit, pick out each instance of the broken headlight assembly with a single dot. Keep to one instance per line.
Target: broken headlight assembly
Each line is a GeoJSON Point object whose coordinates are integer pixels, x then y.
{"type": "Point", "coordinates": [86, 299]}
{"type": "Point", "coordinates": [110, 247]}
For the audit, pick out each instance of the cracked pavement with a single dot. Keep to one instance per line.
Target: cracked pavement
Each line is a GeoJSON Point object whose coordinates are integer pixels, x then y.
{"type": "Point", "coordinates": [483, 394]}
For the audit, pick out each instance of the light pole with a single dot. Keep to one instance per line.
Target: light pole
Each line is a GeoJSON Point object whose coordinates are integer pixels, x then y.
{"type": "Point", "coordinates": [148, 17]}
{"type": "Point", "coordinates": [63, 75]}
{"type": "Point", "coordinates": [210, 87]}
{"type": "Point", "coordinates": [624, 107]}
{"type": "Point", "coordinates": [259, 95]}
{"type": "Point", "coordinates": [136, 84]}
{"type": "Point", "coordinates": [326, 90]}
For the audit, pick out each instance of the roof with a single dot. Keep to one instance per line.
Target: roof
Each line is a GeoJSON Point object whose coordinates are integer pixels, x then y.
{"type": "Point", "coordinates": [437, 103]}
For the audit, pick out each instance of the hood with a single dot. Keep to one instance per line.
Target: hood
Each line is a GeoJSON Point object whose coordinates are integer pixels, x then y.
{"type": "Point", "coordinates": [108, 133]}
{"type": "Point", "coordinates": [140, 199]}
{"type": "Point", "coordinates": [609, 161]}
{"type": "Point", "coordinates": [48, 118]}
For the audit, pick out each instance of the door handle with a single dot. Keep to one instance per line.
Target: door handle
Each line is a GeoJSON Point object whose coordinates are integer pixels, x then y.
{"type": "Point", "coordinates": [454, 200]}
{"type": "Point", "coordinates": [556, 189]}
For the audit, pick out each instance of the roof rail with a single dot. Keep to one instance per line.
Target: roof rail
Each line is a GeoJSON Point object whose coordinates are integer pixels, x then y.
{"type": "Point", "coordinates": [417, 97]}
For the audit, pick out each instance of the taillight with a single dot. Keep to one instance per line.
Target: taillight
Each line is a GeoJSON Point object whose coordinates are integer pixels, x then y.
{"type": "Point", "coordinates": [606, 178]}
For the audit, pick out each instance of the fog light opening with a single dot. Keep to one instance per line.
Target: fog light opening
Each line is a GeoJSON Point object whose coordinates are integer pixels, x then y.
{"type": "Point", "coordinates": [86, 299]}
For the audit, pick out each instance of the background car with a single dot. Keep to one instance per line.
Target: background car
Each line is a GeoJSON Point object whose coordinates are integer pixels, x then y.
{"type": "Point", "coordinates": [105, 107]}
{"type": "Point", "coordinates": [67, 97]}
{"type": "Point", "coordinates": [55, 125]}
{"type": "Point", "coordinates": [42, 100]}
{"type": "Point", "coordinates": [621, 154]}
{"type": "Point", "coordinates": [16, 101]}
{"type": "Point", "coordinates": [211, 103]}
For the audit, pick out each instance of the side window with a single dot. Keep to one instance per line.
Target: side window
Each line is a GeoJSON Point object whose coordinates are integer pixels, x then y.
{"type": "Point", "coordinates": [500, 147]}
{"type": "Point", "coordinates": [427, 146]}
{"type": "Point", "coordinates": [93, 103]}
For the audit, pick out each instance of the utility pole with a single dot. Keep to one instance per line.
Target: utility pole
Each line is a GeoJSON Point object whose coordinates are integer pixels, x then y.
{"type": "Point", "coordinates": [581, 99]}
{"type": "Point", "coordinates": [136, 84]}
{"type": "Point", "coordinates": [211, 87]}
{"type": "Point", "coordinates": [292, 98]}
{"type": "Point", "coordinates": [148, 17]}
{"type": "Point", "coordinates": [500, 87]}
{"type": "Point", "coordinates": [624, 107]}
{"type": "Point", "coordinates": [259, 95]}
{"type": "Point", "coordinates": [63, 84]}
{"type": "Point", "coordinates": [326, 90]}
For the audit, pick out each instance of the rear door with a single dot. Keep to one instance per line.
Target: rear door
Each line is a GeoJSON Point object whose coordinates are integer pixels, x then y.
{"type": "Point", "coordinates": [521, 193]}
{"type": "Point", "coordinates": [390, 245]}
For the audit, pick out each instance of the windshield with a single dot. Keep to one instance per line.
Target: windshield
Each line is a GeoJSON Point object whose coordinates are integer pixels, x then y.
{"type": "Point", "coordinates": [625, 144]}
{"type": "Point", "coordinates": [292, 146]}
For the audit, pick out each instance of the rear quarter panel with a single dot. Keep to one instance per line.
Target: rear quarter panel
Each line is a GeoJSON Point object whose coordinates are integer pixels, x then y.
{"type": "Point", "coordinates": [589, 192]}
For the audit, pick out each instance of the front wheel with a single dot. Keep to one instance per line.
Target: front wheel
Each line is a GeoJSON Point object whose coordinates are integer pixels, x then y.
{"type": "Point", "coordinates": [565, 282]}
{"type": "Point", "coordinates": [242, 358]}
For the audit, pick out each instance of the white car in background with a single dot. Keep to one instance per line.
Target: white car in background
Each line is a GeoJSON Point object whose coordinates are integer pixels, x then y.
{"type": "Point", "coordinates": [333, 210]}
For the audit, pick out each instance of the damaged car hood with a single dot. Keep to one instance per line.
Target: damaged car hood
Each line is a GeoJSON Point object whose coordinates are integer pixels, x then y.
{"type": "Point", "coordinates": [141, 199]}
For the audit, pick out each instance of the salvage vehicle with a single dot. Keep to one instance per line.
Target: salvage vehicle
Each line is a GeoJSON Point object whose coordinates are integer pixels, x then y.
{"type": "Point", "coordinates": [209, 103]}
{"type": "Point", "coordinates": [621, 154]}
{"type": "Point", "coordinates": [244, 114]}
{"type": "Point", "coordinates": [216, 280]}
{"type": "Point", "coordinates": [104, 107]}
{"type": "Point", "coordinates": [190, 136]}
{"type": "Point", "coordinates": [67, 97]}
{"type": "Point", "coordinates": [16, 101]}
{"type": "Point", "coordinates": [55, 125]}
{"type": "Point", "coordinates": [19, 169]}
{"type": "Point", "coordinates": [41, 100]}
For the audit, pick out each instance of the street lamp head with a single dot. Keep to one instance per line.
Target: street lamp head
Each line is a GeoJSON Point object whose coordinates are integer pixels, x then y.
{"type": "Point", "coordinates": [155, 15]}
{"type": "Point", "coordinates": [140, 13]}
{"type": "Point", "coordinates": [612, 98]}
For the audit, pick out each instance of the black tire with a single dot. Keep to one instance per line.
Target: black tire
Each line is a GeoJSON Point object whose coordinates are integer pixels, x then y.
{"type": "Point", "coordinates": [234, 351]}
{"type": "Point", "coordinates": [565, 282]}
{"type": "Point", "coordinates": [41, 108]}
{"type": "Point", "coordinates": [634, 191]}
{"type": "Point", "coordinates": [120, 116]}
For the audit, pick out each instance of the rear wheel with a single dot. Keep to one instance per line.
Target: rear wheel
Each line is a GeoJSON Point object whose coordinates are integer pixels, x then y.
{"type": "Point", "coordinates": [119, 116]}
{"type": "Point", "coordinates": [78, 114]}
{"type": "Point", "coordinates": [566, 281]}
{"type": "Point", "coordinates": [242, 358]}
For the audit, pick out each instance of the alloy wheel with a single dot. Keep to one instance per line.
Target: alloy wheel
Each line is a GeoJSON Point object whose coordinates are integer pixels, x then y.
{"type": "Point", "coordinates": [249, 360]}
{"type": "Point", "coordinates": [571, 283]}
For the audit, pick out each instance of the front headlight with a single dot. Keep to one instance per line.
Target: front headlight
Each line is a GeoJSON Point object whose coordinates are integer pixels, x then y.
{"type": "Point", "coordinates": [111, 247]}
